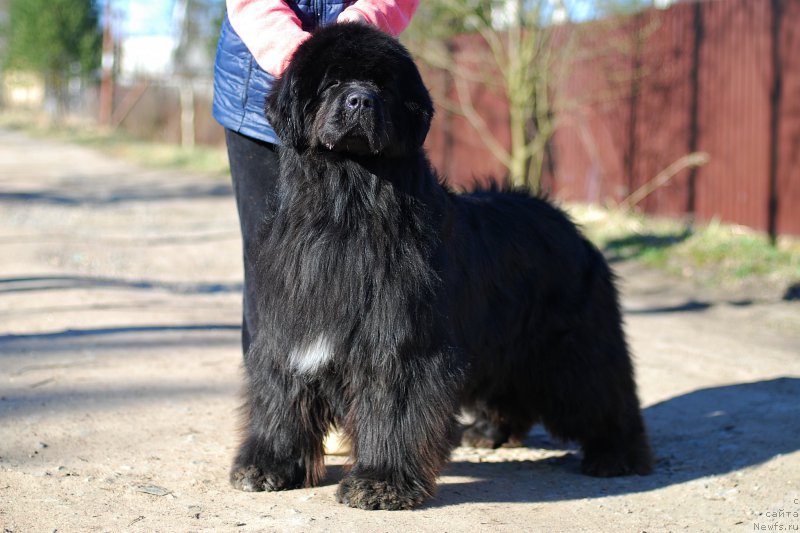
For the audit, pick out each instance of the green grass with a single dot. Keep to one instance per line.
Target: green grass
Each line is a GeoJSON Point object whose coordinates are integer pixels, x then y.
{"type": "Point", "coordinates": [714, 253]}
{"type": "Point", "coordinates": [204, 159]}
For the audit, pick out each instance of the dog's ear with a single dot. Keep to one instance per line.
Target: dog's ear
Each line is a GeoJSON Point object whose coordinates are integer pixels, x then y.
{"type": "Point", "coordinates": [284, 110]}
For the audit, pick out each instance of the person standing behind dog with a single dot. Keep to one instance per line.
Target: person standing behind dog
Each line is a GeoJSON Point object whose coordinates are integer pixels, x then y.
{"type": "Point", "coordinates": [257, 40]}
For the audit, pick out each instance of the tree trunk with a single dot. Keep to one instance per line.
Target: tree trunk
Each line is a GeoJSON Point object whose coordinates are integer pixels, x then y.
{"type": "Point", "coordinates": [187, 114]}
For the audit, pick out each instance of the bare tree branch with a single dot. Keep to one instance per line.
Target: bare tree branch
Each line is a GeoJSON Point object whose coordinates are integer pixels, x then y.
{"type": "Point", "coordinates": [695, 159]}
{"type": "Point", "coordinates": [477, 122]}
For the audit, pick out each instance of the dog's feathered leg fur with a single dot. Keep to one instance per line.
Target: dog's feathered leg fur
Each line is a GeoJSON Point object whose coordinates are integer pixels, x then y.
{"type": "Point", "coordinates": [402, 434]}
{"type": "Point", "coordinates": [283, 432]}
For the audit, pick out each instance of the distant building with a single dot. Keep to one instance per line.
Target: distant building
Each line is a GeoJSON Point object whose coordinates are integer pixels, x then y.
{"type": "Point", "coordinates": [22, 89]}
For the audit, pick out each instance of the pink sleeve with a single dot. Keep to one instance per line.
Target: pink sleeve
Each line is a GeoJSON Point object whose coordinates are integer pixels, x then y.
{"type": "Point", "coordinates": [269, 29]}
{"type": "Point", "coordinates": [392, 16]}
{"type": "Point", "coordinates": [272, 31]}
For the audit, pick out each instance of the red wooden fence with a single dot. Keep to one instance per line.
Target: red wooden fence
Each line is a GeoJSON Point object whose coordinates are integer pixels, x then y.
{"type": "Point", "coordinates": [718, 76]}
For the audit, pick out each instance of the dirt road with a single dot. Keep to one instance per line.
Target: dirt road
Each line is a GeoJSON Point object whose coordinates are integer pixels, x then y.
{"type": "Point", "coordinates": [119, 371]}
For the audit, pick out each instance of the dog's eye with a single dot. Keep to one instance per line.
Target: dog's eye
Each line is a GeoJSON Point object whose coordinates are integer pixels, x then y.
{"type": "Point", "coordinates": [329, 84]}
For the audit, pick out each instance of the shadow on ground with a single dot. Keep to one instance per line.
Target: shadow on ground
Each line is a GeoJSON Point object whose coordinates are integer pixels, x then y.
{"type": "Point", "coordinates": [104, 398]}
{"type": "Point", "coordinates": [130, 338]}
{"type": "Point", "coordinates": [633, 246]}
{"type": "Point", "coordinates": [48, 283]}
{"type": "Point", "coordinates": [703, 433]}
{"type": "Point", "coordinates": [34, 363]}
{"type": "Point", "coordinates": [689, 306]}
{"type": "Point", "coordinates": [116, 195]}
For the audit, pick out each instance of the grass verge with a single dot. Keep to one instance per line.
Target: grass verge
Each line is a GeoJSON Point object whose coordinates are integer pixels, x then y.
{"type": "Point", "coordinates": [714, 254]}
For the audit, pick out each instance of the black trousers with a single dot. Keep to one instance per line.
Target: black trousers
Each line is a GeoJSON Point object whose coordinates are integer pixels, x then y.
{"type": "Point", "coordinates": [254, 171]}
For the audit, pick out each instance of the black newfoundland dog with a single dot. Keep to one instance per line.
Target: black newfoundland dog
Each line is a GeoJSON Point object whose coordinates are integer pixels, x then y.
{"type": "Point", "coordinates": [389, 305]}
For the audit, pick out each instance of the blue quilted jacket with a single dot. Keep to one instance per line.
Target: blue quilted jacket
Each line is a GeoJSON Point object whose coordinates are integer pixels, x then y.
{"type": "Point", "coordinates": [241, 86]}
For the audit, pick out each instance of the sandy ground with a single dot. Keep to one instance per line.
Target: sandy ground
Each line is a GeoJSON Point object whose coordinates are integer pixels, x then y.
{"type": "Point", "coordinates": [120, 368]}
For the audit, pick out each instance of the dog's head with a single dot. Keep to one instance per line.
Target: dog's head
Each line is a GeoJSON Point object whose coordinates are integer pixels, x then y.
{"type": "Point", "coordinates": [351, 89]}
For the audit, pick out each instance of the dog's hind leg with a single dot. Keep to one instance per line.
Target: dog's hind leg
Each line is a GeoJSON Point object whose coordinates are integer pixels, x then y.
{"type": "Point", "coordinates": [403, 428]}
{"type": "Point", "coordinates": [285, 422]}
{"type": "Point", "coordinates": [583, 384]}
{"type": "Point", "coordinates": [491, 428]}
{"type": "Point", "coordinates": [588, 395]}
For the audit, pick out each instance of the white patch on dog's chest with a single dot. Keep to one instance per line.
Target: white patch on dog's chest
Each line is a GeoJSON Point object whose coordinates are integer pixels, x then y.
{"type": "Point", "coordinates": [311, 357]}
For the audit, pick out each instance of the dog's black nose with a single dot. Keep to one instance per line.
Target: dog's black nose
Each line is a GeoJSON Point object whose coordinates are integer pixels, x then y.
{"type": "Point", "coordinates": [360, 100]}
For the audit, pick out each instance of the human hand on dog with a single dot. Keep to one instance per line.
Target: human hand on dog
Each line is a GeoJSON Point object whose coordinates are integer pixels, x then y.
{"type": "Point", "coordinates": [351, 16]}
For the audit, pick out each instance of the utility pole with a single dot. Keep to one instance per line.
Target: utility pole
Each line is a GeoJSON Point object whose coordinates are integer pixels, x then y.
{"type": "Point", "coordinates": [107, 81]}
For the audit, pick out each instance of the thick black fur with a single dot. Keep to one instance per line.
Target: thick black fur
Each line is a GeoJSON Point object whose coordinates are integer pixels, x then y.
{"type": "Point", "coordinates": [389, 304]}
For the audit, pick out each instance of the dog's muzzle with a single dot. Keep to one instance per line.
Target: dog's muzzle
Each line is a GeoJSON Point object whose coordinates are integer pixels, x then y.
{"type": "Point", "coordinates": [362, 115]}
{"type": "Point", "coordinates": [353, 121]}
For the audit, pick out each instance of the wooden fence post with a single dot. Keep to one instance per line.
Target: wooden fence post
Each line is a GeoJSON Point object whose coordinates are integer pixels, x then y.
{"type": "Point", "coordinates": [775, 97]}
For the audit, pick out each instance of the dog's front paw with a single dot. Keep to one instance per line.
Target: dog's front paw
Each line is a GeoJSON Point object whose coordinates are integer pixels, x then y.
{"type": "Point", "coordinates": [373, 494]}
{"type": "Point", "coordinates": [251, 478]}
